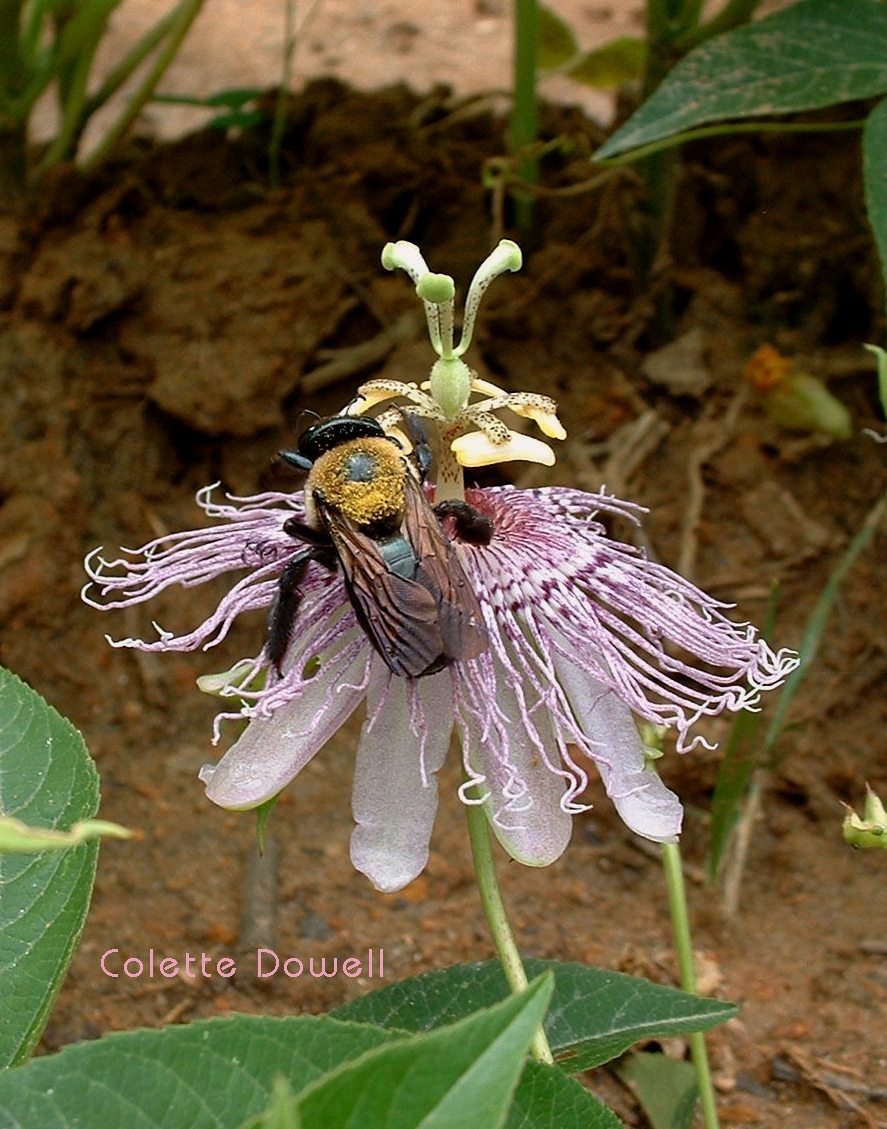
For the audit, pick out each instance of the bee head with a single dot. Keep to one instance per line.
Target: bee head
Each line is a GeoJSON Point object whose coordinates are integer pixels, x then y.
{"type": "Point", "coordinates": [333, 432]}
{"type": "Point", "coordinates": [328, 434]}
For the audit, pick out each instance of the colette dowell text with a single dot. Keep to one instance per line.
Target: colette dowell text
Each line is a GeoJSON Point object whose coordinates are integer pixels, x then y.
{"type": "Point", "coordinates": [267, 963]}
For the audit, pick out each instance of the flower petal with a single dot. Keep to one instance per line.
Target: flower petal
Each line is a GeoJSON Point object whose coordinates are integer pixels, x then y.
{"type": "Point", "coordinates": [272, 750]}
{"type": "Point", "coordinates": [642, 800]}
{"type": "Point", "coordinates": [403, 744]}
{"type": "Point", "coordinates": [476, 449]}
{"type": "Point", "coordinates": [516, 757]}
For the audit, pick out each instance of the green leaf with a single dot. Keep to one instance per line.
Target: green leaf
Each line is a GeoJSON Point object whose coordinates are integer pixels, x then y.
{"type": "Point", "coordinates": [260, 1071]}
{"type": "Point", "coordinates": [874, 171]}
{"type": "Point", "coordinates": [595, 1015]}
{"type": "Point", "coordinates": [815, 628]}
{"type": "Point", "coordinates": [46, 779]}
{"type": "Point", "coordinates": [555, 41]}
{"type": "Point", "coordinates": [214, 1073]}
{"type": "Point", "coordinates": [881, 360]}
{"type": "Point", "coordinates": [617, 62]}
{"type": "Point", "coordinates": [233, 99]}
{"type": "Point", "coordinates": [460, 1075]}
{"type": "Point", "coordinates": [741, 756]}
{"type": "Point", "coordinates": [665, 1087]}
{"type": "Point", "coordinates": [550, 1099]}
{"type": "Point", "coordinates": [812, 54]}
{"type": "Point", "coordinates": [242, 104]}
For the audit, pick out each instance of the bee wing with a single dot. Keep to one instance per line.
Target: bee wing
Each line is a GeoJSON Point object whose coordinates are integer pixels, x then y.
{"type": "Point", "coordinates": [399, 615]}
{"type": "Point", "coordinates": [441, 572]}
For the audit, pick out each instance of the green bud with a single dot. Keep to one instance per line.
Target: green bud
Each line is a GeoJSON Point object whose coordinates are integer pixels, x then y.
{"type": "Point", "coordinates": [226, 681]}
{"type": "Point", "coordinates": [803, 403]}
{"type": "Point", "coordinates": [19, 838]}
{"type": "Point", "coordinates": [871, 830]}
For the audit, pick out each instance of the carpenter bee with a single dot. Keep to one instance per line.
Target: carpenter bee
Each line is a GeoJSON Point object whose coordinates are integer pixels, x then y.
{"type": "Point", "coordinates": [367, 514]}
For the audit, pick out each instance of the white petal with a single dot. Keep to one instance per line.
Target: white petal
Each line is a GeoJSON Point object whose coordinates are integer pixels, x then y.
{"type": "Point", "coordinates": [476, 449]}
{"type": "Point", "coordinates": [531, 824]}
{"type": "Point", "coordinates": [642, 800]}
{"type": "Point", "coordinates": [271, 751]}
{"type": "Point", "coordinates": [395, 790]}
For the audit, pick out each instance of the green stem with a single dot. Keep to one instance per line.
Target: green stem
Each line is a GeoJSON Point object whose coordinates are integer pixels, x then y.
{"type": "Point", "coordinates": [278, 126]}
{"type": "Point", "coordinates": [657, 19]}
{"type": "Point", "coordinates": [733, 14]}
{"type": "Point", "coordinates": [524, 124]}
{"type": "Point", "coordinates": [497, 916]}
{"type": "Point", "coordinates": [660, 33]}
{"type": "Point", "coordinates": [13, 62]}
{"type": "Point", "coordinates": [16, 67]}
{"type": "Point", "coordinates": [680, 922]}
{"type": "Point", "coordinates": [13, 164]}
{"type": "Point", "coordinates": [688, 14]}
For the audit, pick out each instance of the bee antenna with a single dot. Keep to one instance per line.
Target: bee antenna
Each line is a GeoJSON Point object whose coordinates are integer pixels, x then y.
{"type": "Point", "coordinates": [353, 403]}
{"type": "Point", "coordinates": [306, 412]}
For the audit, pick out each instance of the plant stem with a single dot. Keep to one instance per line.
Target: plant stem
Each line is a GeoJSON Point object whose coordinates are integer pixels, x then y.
{"type": "Point", "coordinates": [497, 917]}
{"type": "Point", "coordinates": [13, 164]}
{"type": "Point", "coordinates": [733, 14]}
{"type": "Point", "coordinates": [524, 124]}
{"type": "Point", "coordinates": [680, 922]}
{"type": "Point", "coordinates": [278, 127]}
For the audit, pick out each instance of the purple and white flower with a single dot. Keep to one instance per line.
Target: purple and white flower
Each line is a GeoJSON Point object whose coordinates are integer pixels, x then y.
{"type": "Point", "coordinates": [584, 633]}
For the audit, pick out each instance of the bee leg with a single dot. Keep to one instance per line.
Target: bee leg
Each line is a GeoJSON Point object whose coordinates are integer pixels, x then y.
{"type": "Point", "coordinates": [417, 430]}
{"type": "Point", "coordinates": [282, 614]}
{"type": "Point", "coordinates": [307, 533]}
{"type": "Point", "coordinates": [471, 526]}
{"type": "Point", "coordinates": [424, 458]}
{"type": "Point", "coordinates": [295, 460]}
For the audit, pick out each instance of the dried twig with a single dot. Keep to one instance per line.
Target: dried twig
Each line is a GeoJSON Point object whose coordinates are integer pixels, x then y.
{"type": "Point", "coordinates": [714, 435]}
{"type": "Point", "coordinates": [825, 1077]}
{"type": "Point", "coordinates": [354, 359]}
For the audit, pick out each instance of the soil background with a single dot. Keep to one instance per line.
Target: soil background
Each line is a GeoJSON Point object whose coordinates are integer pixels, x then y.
{"type": "Point", "coordinates": [163, 326]}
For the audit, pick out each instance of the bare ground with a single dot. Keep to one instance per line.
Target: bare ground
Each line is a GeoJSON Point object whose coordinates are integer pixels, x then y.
{"type": "Point", "coordinates": [163, 327]}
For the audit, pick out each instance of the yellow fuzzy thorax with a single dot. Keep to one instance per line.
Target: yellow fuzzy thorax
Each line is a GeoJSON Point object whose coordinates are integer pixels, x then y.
{"type": "Point", "coordinates": [364, 479]}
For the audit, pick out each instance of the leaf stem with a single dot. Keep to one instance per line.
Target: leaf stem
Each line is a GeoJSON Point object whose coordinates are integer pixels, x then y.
{"type": "Point", "coordinates": [683, 943]}
{"type": "Point", "coordinates": [497, 916]}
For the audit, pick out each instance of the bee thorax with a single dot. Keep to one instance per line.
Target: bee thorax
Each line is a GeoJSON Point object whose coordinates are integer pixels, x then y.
{"type": "Point", "coordinates": [364, 480]}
